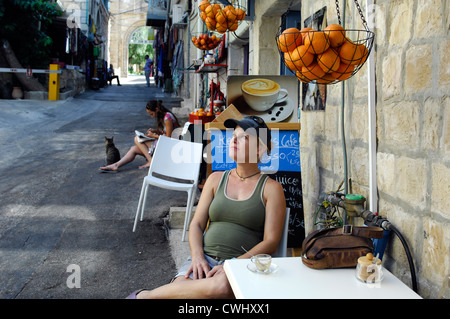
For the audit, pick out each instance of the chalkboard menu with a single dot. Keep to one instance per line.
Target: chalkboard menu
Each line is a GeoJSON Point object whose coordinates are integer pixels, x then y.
{"type": "Point", "coordinates": [282, 165]}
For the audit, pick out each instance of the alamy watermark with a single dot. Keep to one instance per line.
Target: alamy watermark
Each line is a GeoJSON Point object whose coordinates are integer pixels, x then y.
{"type": "Point", "coordinates": [74, 279]}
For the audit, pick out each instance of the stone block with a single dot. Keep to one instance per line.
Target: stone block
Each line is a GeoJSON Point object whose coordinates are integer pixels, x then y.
{"type": "Point", "coordinates": [411, 181]}
{"type": "Point", "coordinates": [386, 172]}
{"type": "Point", "coordinates": [428, 20]}
{"type": "Point", "coordinates": [435, 262]}
{"type": "Point", "coordinates": [401, 14]}
{"type": "Point", "coordinates": [445, 139]}
{"type": "Point", "coordinates": [359, 126]}
{"type": "Point", "coordinates": [418, 73]}
{"type": "Point", "coordinates": [440, 196]}
{"type": "Point", "coordinates": [392, 69]}
{"type": "Point", "coordinates": [401, 124]}
{"type": "Point", "coordinates": [444, 65]}
{"type": "Point", "coordinates": [431, 124]}
{"type": "Point", "coordinates": [360, 166]}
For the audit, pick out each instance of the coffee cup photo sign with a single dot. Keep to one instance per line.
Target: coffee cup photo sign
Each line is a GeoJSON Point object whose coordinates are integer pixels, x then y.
{"type": "Point", "coordinates": [263, 94]}
{"type": "Point", "coordinates": [274, 98]}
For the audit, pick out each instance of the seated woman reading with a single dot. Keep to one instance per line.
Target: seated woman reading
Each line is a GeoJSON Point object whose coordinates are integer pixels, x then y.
{"type": "Point", "coordinates": [166, 123]}
{"type": "Point", "coordinates": [245, 208]}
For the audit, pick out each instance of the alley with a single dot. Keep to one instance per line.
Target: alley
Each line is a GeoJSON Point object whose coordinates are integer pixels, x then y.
{"type": "Point", "coordinates": [58, 213]}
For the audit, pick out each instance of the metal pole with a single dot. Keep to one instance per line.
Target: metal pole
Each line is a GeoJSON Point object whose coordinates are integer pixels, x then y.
{"type": "Point", "coordinates": [344, 147]}
{"type": "Point", "coordinates": [373, 204]}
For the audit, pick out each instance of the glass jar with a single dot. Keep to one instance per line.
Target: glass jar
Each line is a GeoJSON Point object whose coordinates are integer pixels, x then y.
{"type": "Point", "coordinates": [368, 270]}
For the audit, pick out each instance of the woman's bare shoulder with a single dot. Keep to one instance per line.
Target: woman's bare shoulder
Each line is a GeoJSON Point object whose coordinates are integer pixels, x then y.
{"type": "Point", "coordinates": [273, 185]}
{"type": "Point", "coordinates": [213, 180]}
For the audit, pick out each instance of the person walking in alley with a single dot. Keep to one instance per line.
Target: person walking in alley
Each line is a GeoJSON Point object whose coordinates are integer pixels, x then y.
{"type": "Point", "coordinates": [112, 76]}
{"type": "Point", "coordinates": [166, 123]}
{"type": "Point", "coordinates": [245, 210]}
{"type": "Point", "coordinates": [148, 69]}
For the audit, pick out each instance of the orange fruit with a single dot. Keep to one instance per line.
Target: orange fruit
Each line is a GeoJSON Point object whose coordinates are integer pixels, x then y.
{"type": "Point", "coordinates": [221, 17]}
{"type": "Point", "coordinates": [240, 14]}
{"type": "Point", "coordinates": [336, 34]}
{"type": "Point", "coordinates": [289, 39]}
{"type": "Point", "coordinates": [228, 7]}
{"type": "Point", "coordinates": [301, 57]}
{"type": "Point", "coordinates": [301, 77]}
{"type": "Point", "coordinates": [350, 53]}
{"type": "Point", "coordinates": [231, 14]}
{"type": "Point", "coordinates": [221, 28]}
{"type": "Point", "coordinates": [329, 60]}
{"type": "Point", "coordinates": [289, 63]}
{"type": "Point", "coordinates": [364, 53]}
{"type": "Point", "coordinates": [326, 79]}
{"type": "Point", "coordinates": [211, 11]}
{"type": "Point", "coordinates": [203, 15]}
{"type": "Point", "coordinates": [317, 42]}
{"type": "Point", "coordinates": [313, 71]}
{"type": "Point", "coordinates": [210, 23]}
{"type": "Point", "coordinates": [233, 27]}
{"type": "Point", "coordinates": [202, 6]}
{"type": "Point", "coordinates": [304, 32]}
{"type": "Point", "coordinates": [343, 72]}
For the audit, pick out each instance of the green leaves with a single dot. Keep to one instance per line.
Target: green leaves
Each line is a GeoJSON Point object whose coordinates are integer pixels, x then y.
{"type": "Point", "coordinates": [24, 23]}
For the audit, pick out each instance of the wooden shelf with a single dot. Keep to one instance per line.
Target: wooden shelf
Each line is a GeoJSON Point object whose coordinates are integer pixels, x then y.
{"type": "Point", "coordinates": [280, 126]}
{"type": "Point", "coordinates": [209, 68]}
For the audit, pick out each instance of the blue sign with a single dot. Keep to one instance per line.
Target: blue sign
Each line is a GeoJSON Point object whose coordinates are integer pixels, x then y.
{"type": "Point", "coordinates": [284, 156]}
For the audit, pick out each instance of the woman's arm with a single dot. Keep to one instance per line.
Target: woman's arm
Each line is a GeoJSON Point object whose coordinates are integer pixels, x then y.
{"type": "Point", "coordinates": [199, 265]}
{"type": "Point", "coordinates": [273, 227]}
{"type": "Point", "coordinates": [169, 127]}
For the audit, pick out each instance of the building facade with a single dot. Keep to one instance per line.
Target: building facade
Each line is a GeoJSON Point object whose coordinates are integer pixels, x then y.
{"type": "Point", "coordinates": [385, 130]}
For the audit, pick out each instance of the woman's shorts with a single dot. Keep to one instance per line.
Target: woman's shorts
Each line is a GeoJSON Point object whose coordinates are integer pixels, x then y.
{"type": "Point", "coordinates": [185, 267]}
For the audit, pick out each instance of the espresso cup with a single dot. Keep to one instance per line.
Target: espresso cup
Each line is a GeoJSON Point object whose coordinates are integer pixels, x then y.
{"type": "Point", "coordinates": [262, 94]}
{"type": "Point", "coordinates": [262, 262]}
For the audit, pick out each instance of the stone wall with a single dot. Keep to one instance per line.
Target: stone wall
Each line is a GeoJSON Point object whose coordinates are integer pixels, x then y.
{"type": "Point", "coordinates": [125, 18]}
{"type": "Point", "coordinates": [412, 132]}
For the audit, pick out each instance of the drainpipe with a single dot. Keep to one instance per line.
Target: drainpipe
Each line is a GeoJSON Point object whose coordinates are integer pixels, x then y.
{"type": "Point", "coordinates": [372, 123]}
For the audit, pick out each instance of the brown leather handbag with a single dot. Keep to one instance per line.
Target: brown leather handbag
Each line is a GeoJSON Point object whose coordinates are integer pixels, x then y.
{"type": "Point", "coordinates": [338, 247]}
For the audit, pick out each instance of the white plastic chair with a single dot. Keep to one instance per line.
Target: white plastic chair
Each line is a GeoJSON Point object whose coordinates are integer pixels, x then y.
{"type": "Point", "coordinates": [175, 165]}
{"type": "Point", "coordinates": [282, 245]}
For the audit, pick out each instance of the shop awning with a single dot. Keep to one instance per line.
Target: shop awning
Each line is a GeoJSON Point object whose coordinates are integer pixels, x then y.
{"type": "Point", "coordinates": [157, 13]}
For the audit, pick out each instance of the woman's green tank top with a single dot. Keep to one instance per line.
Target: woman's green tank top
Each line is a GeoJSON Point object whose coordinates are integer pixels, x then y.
{"type": "Point", "coordinates": [235, 223]}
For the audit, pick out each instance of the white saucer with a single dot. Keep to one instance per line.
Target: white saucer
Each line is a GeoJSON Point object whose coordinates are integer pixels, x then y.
{"type": "Point", "coordinates": [252, 268]}
{"type": "Point", "coordinates": [279, 112]}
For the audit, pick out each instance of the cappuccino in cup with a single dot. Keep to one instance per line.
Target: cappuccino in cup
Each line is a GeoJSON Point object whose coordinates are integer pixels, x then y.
{"type": "Point", "coordinates": [262, 94]}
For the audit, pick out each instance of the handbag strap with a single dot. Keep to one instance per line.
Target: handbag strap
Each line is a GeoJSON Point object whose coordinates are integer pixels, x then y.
{"type": "Point", "coordinates": [369, 232]}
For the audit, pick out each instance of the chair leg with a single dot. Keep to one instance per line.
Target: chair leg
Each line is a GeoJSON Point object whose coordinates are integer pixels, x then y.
{"type": "Point", "coordinates": [187, 217]}
{"type": "Point", "coordinates": [144, 202]}
{"type": "Point", "coordinates": [138, 210]}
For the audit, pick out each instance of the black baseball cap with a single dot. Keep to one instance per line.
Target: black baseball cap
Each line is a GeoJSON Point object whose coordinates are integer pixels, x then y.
{"type": "Point", "coordinates": [256, 123]}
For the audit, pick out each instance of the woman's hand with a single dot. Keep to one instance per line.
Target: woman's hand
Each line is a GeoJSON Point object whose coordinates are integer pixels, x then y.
{"type": "Point", "coordinates": [199, 268]}
{"type": "Point", "coordinates": [215, 271]}
{"type": "Point", "coordinates": [152, 133]}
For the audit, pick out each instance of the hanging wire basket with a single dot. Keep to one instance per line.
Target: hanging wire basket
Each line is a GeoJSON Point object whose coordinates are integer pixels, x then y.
{"type": "Point", "coordinates": [221, 18]}
{"type": "Point", "coordinates": [326, 57]}
{"type": "Point", "coordinates": [206, 40]}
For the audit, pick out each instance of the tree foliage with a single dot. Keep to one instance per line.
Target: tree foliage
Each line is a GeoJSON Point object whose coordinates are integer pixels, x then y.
{"type": "Point", "coordinates": [24, 23]}
{"type": "Point", "coordinates": [137, 52]}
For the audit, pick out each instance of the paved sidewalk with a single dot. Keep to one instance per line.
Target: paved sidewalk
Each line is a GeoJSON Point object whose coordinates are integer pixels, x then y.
{"type": "Point", "coordinates": [58, 213]}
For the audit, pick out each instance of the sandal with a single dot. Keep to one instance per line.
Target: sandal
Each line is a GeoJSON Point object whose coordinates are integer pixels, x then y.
{"type": "Point", "coordinates": [134, 294]}
{"type": "Point", "coordinates": [107, 170]}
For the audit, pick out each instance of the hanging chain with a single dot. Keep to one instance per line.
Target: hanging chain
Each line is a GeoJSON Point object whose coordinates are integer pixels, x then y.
{"type": "Point", "coordinates": [338, 12]}
{"type": "Point", "coordinates": [362, 15]}
{"type": "Point", "coordinates": [359, 11]}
